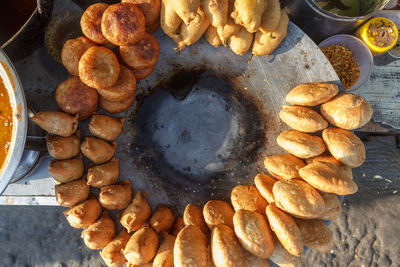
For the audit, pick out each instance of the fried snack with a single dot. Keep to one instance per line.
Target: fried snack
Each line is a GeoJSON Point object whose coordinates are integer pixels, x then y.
{"type": "Point", "coordinates": [298, 198]}
{"type": "Point", "coordinates": [153, 27]}
{"type": "Point", "coordinates": [253, 233]}
{"type": "Point", "coordinates": [124, 87]}
{"type": "Point", "coordinates": [247, 197]}
{"type": "Point", "coordinates": [315, 234]}
{"type": "Point", "coordinates": [169, 20]}
{"type": "Point", "coordinates": [136, 214]}
{"type": "Point", "coordinates": [283, 166]}
{"type": "Point", "coordinates": [117, 196]}
{"type": "Point", "coordinates": [179, 224]}
{"type": "Point", "coordinates": [312, 94]}
{"type": "Point", "coordinates": [347, 111]}
{"type": "Point", "coordinates": [72, 193]}
{"type": "Point", "coordinates": [72, 52]}
{"type": "Point", "coordinates": [225, 248]}
{"type": "Point", "coordinates": [302, 119]}
{"type": "Point", "coordinates": [56, 122]}
{"type": "Point", "coordinates": [192, 32]}
{"type": "Point", "coordinates": [282, 257]}
{"type": "Point", "coordinates": [141, 74]}
{"type": "Point", "coordinates": [97, 150]}
{"type": "Point", "coordinates": [150, 9]}
{"type": "Point", "coordinates": [218, 212]}
{"type": "Point", "coordinates": [74, 97]}
{"type": "Point", "coordinates": [333, 208]}
{"type": "Point", "coordinates": [165, 253]}
{"type": "Point", "coordinates": [266, 43]}
{"type": "Point", "coordinates": [247, 13]}
{"type": "Point", "coordinates": [142, 246]}
{"type": "Point", "coordinates": [271, 16]}
{"type": "Point", "coordinates": [254, 261]}
{"type": "Point", "coordinates": [104, 174]}
{"type": "Point", "coordinates": [66, 170]}
{"type": "Point", "coordinates": [186, 10]}
{"type": "Point", "coordinates": [328, 178]}
{"type": "Point", "coordinates": [301, 145]}
{"type": "Point", "coordinates": [99, 67]}
{"type": "Point", "coordinates": [241, 41]}
{"type": "Point", "coordinates": [123, 24]}
{"type": "Point", "coordinates": [84, 214]}
{"type": "Point", "coordinates": [345, 146]}
{"type": "Point", "coordinates": [329, 159]}
{"type": "Point", "coordinates": [63, 147]}
{"type": "Point", "coordinates": [225, 32]}
{"type": "Point", "coordinates": [99, 234]}
{"type": "Point", "coordinates": [112, 252]}
{"type": "Point", "coordinates": [216, 11]}
{"type": "Point", "coordinates": [193, 215]}
{"type": "Point", "coordinates": [106, 127]}
{"type": "Point", "coordinates": [116, 107]}
{"type": "Point", "coordinates": [212, 36]}
{"type": "Point", "coordinates": [143, 54]}
{"type": "Point", "coordinates": [264, 184]}
{"type": "Point", "coordinates": [191, 248]}
{"type": "Point", "coordinates": [285, 229]}
{"type": "Point", "coordinates": [162, 219]}
{"type": "Point", "coordinates": [91, 23]}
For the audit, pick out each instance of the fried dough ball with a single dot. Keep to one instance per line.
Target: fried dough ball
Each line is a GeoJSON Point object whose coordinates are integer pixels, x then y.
{"type": "Point", "coordinates": [226, 31]}
{"type": "Point", "coordinates": [142, 246]}
{"type": "Point", "coordinates": [247, 197]}
{"type": "Point", "coordinates": [315, 234]}
{"type": "Point", "coordinates": [72, 193]}
{"type": "Point", "coordinates": [153, 27]}
{"type": "Point", "coordinates": [212, 36]}
{"type": "Point", "coordinates": [91, 23]}
{"type": "Point", "coordinates": [218, 212]}
{"type": "Point", "coordinates": [247, 13]}
{"type": "Point", "coordinates": [56, 122]}
{"type": "Point", "coordinates": [241, 41]}
{"type": "Point", "coordinates": [193, 215]}
{"type": "Point", "coordinates": [142, 54]}
{"type": "Point", "coordinates": [216, 11]}
{"type": "Point", "coordinates": [124, 87]}
{"type": "Point", "coordinates": [151, 11]}
{"type": "Point", "coordinates": [116, 196]}
{"type": "Point", "coordinates": [63, 147]}
{"type": "Point", "coordinates": [264, 184]}
{"type": "Point", "coordinates": [141, 74]}
{"type": "Point", "coordinates": [283, 166]}
{"type": "Point", "coordinates": [123, 24]}
{"type": "Point", "coordinates": [162, 219]}
{"type": "Point", "coordinates": [301, 145]}
{"type": "Point", "coordinates": [302, 119]}
{"type": "Point", "coordinates": [165, 253]}
{"type": "Point", "coordinates": [136, 214]}
{"type": "Point", "coordinates": [187, 10]}
{"type": "Point", "coordinates": [169, 20]}
{"type": "Point", "coordinates": [271, 16]}
{"type": "Point", "coordinates": [312, 94]}
{"type": "Point", "coordinates": [66, 170]}
{"type": "Point", "coordinates": [282, 257]}
{"type": "Point", "coordinates": [84, 214]}
{"type": "Point", "coordinates": [112, 252]}
{"type": "Point", "coordinates": [333, 207]}
{"type": "Point", "coordinates": [99, 67]}
{"type": "Point", "coordinates": [72, 52]}
{"type": "Point", "coordinates": [74, 97]}
{"type": "Point", "coordinates": [179, 224]}
{"type": "Point", "coordinates": [254, 261]}
{"type": "Point", "coordinates": [192, 32]}
{"type": "Point", "coordinates": [106, 127]}
{"type": "Point", "coordinates": [116, 107]}
{"type": "Point", "coordinates": [103, 174]}
{"type": "Point", "coordinates": [99, 234]}
{"type": "Point", "coordinates": [97, 150]}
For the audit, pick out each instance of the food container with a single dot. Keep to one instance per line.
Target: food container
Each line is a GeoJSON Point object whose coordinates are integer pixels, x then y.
{"type": "Point", "coordinates": [361, 54]}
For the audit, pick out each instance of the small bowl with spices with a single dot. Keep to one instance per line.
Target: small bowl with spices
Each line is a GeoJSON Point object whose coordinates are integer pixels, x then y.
{"type": "Point", "coordinates": [351, 59]}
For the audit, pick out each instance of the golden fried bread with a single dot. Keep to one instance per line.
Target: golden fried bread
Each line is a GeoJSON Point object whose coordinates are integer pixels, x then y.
{"type": "Point", "coordinates": [312, 94]}
{"type": "Point", "coordinates": [103, 174]}
{"type": "Point", "coordinates": [302, 119]}
{"type": "Point", "coordinates": [123, 89]}
{"type": "Point", "coordinates": [141, 74]}
{"type": "Point", "coordinates": [165, 253]}
{"type": "Point", "coordinates": [264, 184]}
{"type": "Point", "coordinates": [315, 234]}
{"type": "Point", "coordinates": [91, 23]}
{"type": "Point", "coordinates": [136, 214]}
{"type": "Point", "coordinates": [283, 166]}
{"type": "Point", "coordinates": [247, 197]}
{"type": "Point", "coordinates": [72, 52]}
{"type": "Point", "coordinates": [218, 212]}
{"type": "Point", "coordinates": [150, 9]}
{"type": "Point", "coordinates": [72, 193]}
{"type": "Point", "coordinates": [142, 246]}
{"type": "Point", "coordinates": [84, 214]}
{"type": "Point", "coordinates": [330, 159]}
{"type": "Point", "coordinates": [112, 252]}
{"type": "Point", "coordinates": [179, 224]}
{"type": "Point", "coordinates": [301, 145]}
{"type": "Point", "coordinates": [99, 234]}
{"type": "Point", "coordinates": [116, 107]}
{"type": "Point", "coordinates": [282, 257]}
{"type": "Point", "coordinates": [162, 219]}
{"type": "Point", "coordinates": [116, 196]}
{"type": "Point", "coordinates": [333, 207]}
{"type": "Point", "coordinates": [193, 215]}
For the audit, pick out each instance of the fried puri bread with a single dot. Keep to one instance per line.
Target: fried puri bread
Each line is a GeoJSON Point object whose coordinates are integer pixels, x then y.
{"type": "Point", "coordinates": [136, 214]}
{"type": "Point", "coordinates": [253, 232]}
{"type": "Point", "coordinates": [91, 23]}
{"type": "Point", "coordinates": [150, 9]}
{"type": "Point", "coordinates": [75, 97]}
{"type": "Point", "coordinates": [301, 145]}
{"type": "Point", "coordinates": [347, 111]}
{"type": "Point", "coordinates": [298, 198]}
{"type": "Point", "coordinates": [218, 212]}
{"type": "Point", "coordinates": [330, 159]}
{"type": "Point", "coordinates": [254, 261]}
{"type": "Point", "coordinates": [271, 16]}
{"type": "Point", "coordinates": [98, 150]}
{"type": "Point", "coordinates": [333, 207]}
{"type": "Point", "coordinates": [240, 42]}
{"type": "Point", "coordinates": [106, 127]}
{"type": "Point", "coordinates": [193, 215]}
{"type": "Point", "coordinates": [178, 226]}
{"type": "Point", "coordinates": [285, 229]}
{"type": "Point", "coordinates": [312, 94]}
{"type": "Point", "coordinates": [247, 13]}
{"type": "Point", "coordinates": [63, 147]}
{"type": "Point", "coordinates": [315, 234]}
{"type": "Point", "coordinates": [116, 107]}
{"type": "Point", "coordinates": [328, 178]}
{"type": "Point", "coordinates": [142, 246]}
{"type": "Point", "coordinates": [191, 248]}
{"type": "Point", "coordinates": [56, 122]}
{"type": "Point", "coordinates": [103, 174]}
{"type": "Point", "coordinates": [247, 197]}
{"type": "Point", "coordinates": [72, 52]}
{"type": "Point", "coordinates": [165, 253]}
{"type": "Point", "coordinates": [345, 146]}
{"type": "Point", "coordinates": [72, 193]}
{"type": "Point", "coordinates": [116, 196]}
{"type": "Point", "coordinates": [123, 24]}
{"type": "Point", "coordinates": [283, 166]}
{"type": "Point", "coordinates": [162, 219]}
{"type": "Point", "coordinates": [84, 214]}
{"type": "Point", "coordinates": [66, 170]}
{"type": "Point", "coordinates": [216, 11]}
{"type": "Point", "coordinates": [264, 184]}
{"type": "Point", "coordinates": [112, 252]}
{"type": "Point", "coordinates": [212, 36]}
{"type": "Point", "coordinates": [282, 257]}
{"type": "Point", "coordinates": [142, 54]}
{"type": "Point", "coordinates": [99, 234]}
{"type": "Point", "coordinates": [302, 119]}
{"type": "Point", "coordinates": [123, 89]}
{"type": "Point", "coordinates": [99, 67]}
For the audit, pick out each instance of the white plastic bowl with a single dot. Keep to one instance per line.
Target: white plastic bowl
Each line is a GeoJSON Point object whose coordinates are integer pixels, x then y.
{"type": "Point", "coordinates": [361, 54]}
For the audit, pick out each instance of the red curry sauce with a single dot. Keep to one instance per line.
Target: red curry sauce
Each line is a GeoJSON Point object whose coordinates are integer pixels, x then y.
{"type": "Point", "coordinates": [6, 122]}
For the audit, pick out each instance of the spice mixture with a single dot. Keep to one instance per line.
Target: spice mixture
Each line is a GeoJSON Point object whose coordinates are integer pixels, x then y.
{"type": "Point", "coordinates": [381, 33]}
{"type": "Point", "coordinates": [344, 64]}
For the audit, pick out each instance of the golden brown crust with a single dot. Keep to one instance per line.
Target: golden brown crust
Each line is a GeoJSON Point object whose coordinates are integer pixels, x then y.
{"type": "Point", "coordinates": [117, 196]}
{"type": "Point", "coordinates": [141, 74]}
{"type": "Point", "coordinates": [282, 257]}
{"type": "Point", "coordinates": [123, 24]}
{"type": "Point", "coordinates": [136, 214]}
{"type": "Point", "coordinates": [91, 23]}
{"type": "Point", "coordinates": [264, 184]}
{"type": "Point", "coordinates": [315, 234]}
{"type": "Point", "coordinates": [179, 224]}
{"type": "Point", "coordinates": [186, 10]}
{"type": "Point", "coordinates": [226, 31]}
{"type": "Point", "coordinates": [283, 166]}
{"type": "Point", "coordinates": [271, 16]}
{"type": "Point", "coordinates": [123, 89]}
{"type": "Point", "coordinates": [218, 212]}
{"type": "Point", "coordinates": [116, 107]}
{"type": "Point", "coordinates": [162, 219]}
{"type": "Point", "coordinates": [63, 147]}
{"type": "Point", "coordinates": [103, 174]}
{"type": "Point", "coordinates": [192, 32]}
{"type": "Point", "coordinates": [72, 193]}
{"type": "Point", "coordinates": [72, 52]}
{"type": "Point", "coordinates": [84, 214]}
{"type": "Point", "coordinates": [302, 119]}
{"type": "Point", "coordinates": [106, 127]}
{"type": "Point", "coordinates": [240, 42]}
{"type": "Point", "coordinates": [99, 234]}
{"type": "Point", "coordinates": [150, 9]}
{"type": "Point", "coordinates": [333, 207]}
{"type": "Point", "coordinates": [112, 252]}
{"type": "Point", "coordinates": [165, 253]}
{"type": "Point", "coordinates": [247, 197]}
{"type": "Point", "coordinates": [301, 145]}
{"type": "Point", "coordinates": [216, 11]}
{"type": "Point", "coordinates": [312, 94]}
{"type": "Point", "coordinates": [248, 14]}
{"type": "Point", "coordinates": [56, 122]}
{"type": "Point", "coordinates": [193, 215]}
{"type": "Point", "coordinates": [142, 246]}
{"type": "Point", "coordinates": [212, 37]}
{"type": "Point", "coordinates": [169, 20]}
{"type": "Point", "coordinates": [298, 198]}
{"type": "Point", "coordinates": [66, 170]}
{"type": "Point", "coordinates": [97, 150]}
{"type": "Point", "coordinates": [330, 159]}
{"type": "Point", "coordinates": [347, 111]}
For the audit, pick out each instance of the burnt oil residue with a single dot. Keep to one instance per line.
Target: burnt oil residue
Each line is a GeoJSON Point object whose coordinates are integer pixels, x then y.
{"type": "Point", "coordinates": [196, 133]}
